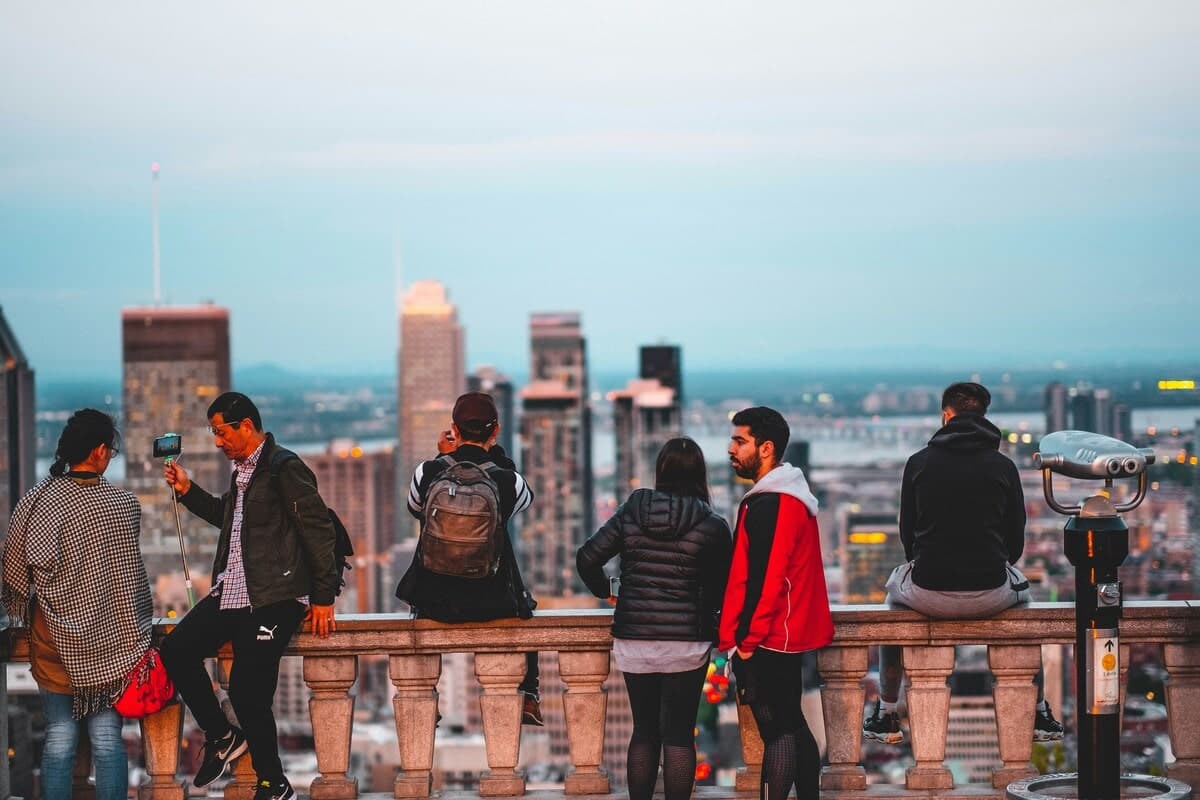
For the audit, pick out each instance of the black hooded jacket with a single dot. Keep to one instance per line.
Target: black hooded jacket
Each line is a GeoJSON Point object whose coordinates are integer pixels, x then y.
{"type": "Point", "coordinates": [675, 553]}
{"type": "Point", "coordinates": [962, 511]}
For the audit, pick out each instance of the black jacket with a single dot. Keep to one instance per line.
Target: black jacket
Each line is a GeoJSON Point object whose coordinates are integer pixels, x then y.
{"type": "Point", "coordinates": [675, 554]}
{"type": "Point", "coordinates": [447, 598]}
{"type": "Point", "coordinates": [287, 537]}
{"type": "Point", "coordinates": [962, 511]}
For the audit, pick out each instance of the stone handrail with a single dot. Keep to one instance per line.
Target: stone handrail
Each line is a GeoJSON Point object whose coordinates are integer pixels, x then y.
{"type": "Point", "coordinates": [583, 642]}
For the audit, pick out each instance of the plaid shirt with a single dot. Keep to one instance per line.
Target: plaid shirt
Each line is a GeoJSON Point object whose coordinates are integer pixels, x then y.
{"type": "Point", "coordinates": [232, 582]}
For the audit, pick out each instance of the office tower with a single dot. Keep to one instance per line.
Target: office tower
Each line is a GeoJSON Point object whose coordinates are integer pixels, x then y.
{"type": "Point", "coordinates": [869, 549]}
{"type": "Point", "coordinates": [556, 454]}
{"type": "Point", "coordinates": [664, 363]}
{"type": "Point", "coordinates": [18, 432]}
{"type": "Point", "coordinates": [1056, 407]}
{"type": "Point", "coordinates": [1122, 422]}
{"type": "Point", "coordinates": [1102, 413]}
{"type": "Point", "coordinates": [488, 380]}
{"type": "Point", "coordinates": [175, 363]}
{"type": "Point", "coordinates": [645, 416]}
{"type": "Point", "coordinates": [971, 737]}
{"type": "Point", "coordinates": [1083, 410]}
{"type": "Point", "coordinates": [360, 487]}
{"type": "Point", "coordinates": [431, 374]}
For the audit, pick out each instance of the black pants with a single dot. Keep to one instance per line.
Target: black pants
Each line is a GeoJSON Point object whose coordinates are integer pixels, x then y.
{"type": "Point", "coordinates": [259, 637]}
{"type": "Point", "coordinates": [664, 704]}
{"type": "Point", "coordinates": [771, 684]}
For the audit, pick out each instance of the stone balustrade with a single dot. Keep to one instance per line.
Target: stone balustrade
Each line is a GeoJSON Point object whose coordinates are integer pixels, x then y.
{"type": "Point", "coordinates": [583, 643]}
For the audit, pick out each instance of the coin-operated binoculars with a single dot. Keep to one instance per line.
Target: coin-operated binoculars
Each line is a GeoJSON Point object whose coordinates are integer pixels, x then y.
{"type": "Point", "coordinates": [1096, 542]}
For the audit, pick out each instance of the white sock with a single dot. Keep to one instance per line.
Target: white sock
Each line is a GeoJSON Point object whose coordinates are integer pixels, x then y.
{"type": "Point", "coordinates": [887, 708]}
{"type": "Point", "coordinates": [1043, 706]}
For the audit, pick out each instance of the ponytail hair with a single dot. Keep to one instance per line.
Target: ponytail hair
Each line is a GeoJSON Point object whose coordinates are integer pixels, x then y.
{"type": "Point", "coordinates": [86, 430]}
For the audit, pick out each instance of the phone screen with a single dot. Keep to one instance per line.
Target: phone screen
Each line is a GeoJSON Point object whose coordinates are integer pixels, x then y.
{"type": "Point", "coordinates": [168, 446]}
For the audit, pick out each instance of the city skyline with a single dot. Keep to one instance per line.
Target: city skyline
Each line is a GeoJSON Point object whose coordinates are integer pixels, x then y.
{"type": "Point", "coordinates": [969, 189]}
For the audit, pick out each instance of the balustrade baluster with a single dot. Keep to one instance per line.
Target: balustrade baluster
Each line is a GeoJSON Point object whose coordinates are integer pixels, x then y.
{"type": "Point", "coordinates": [500, 674]}
{"type": "Point", "coordinates": [1015, 698]}
{"type": "Point", "coordinates": [161, 735]}
{"type": "Point", "coordinates": [331, 709]}
{"type": "Point", "coordinates": [416, 707]}
{"type": "Point", "coordinates": [1183, 698]}
{"type": "Point", "coordinates": [927, 668]}
{"type": "Point", "coordinates": [842, 698]}
{"type": "Point", "coordinates": [585, 705]}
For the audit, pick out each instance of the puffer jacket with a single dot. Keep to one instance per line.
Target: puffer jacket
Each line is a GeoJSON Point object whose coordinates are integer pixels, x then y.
{"type": "Point", "coordinates": [675, 554]}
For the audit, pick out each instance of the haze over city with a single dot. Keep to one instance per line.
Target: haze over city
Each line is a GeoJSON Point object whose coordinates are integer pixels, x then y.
{"type": "Point", "coordinates": [922, 184]}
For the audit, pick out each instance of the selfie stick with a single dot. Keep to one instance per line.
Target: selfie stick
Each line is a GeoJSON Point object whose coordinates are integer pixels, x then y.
{"type": "Point", "coordinates": [187, 576]}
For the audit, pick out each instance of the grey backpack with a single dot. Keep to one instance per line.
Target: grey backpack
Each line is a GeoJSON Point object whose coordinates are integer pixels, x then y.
{"type": "Point", "coordinates": [462, 531]}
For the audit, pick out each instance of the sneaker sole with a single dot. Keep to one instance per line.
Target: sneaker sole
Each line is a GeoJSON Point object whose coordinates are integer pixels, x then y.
{"type": "Point", "coordinates": [886, 738]}
{"type": "Point", "coordinates": [534, 721]}
{"type": "Point", "coordinates": [240, 750]}
{"type": "Point", "coordinates": [1042, 736]}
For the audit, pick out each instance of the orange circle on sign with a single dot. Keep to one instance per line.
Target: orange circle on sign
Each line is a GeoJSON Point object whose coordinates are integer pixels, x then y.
{"type": "Point", "coordinates": [1109, 662]}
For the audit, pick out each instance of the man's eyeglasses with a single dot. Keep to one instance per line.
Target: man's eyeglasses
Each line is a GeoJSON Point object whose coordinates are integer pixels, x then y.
{"type": "Point", "coordinates": [215, 430]}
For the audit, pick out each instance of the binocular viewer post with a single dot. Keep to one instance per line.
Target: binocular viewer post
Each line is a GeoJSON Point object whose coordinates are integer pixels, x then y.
{"type": "Point", "coordinates": [1096, 541]}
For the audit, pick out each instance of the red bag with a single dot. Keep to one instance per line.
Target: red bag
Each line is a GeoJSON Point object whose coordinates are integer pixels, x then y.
{"type": "Point", "coordinates": [148, 688]}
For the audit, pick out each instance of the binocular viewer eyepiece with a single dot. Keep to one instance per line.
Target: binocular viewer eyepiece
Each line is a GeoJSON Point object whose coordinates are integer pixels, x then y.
{"type": "Point", "coordinates": [1091, 456]}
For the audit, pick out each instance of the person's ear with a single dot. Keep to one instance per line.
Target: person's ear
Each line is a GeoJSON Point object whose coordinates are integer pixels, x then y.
{"type": "Point", "coordinates": [766, 451]}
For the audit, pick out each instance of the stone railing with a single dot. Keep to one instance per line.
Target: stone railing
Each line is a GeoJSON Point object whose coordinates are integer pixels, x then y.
{"type": "Point", "coordinates": [583, 644]}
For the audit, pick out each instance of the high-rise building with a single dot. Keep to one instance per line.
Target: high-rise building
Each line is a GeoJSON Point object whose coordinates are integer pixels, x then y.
{"type": "Point", "coordinates": [1083, 410]}
{"type": "Point", "coordinates": [556, 454]}
{"type": "Point", "coordinates": [1056, 407]}
{"type": "Point", "coordinates": [431, 374]}
{"type": "Point", "coordinates": [1102, 413]}
{"type": "Point", "coordinates": [1122, 422]}
{"type": "Point", "coordinates": [18, 431]}
{"type": "Point", "coordinates": [360, 487]}
{"type": "Point", "coordinates": [488, 380]}
{"type": "Point", "coordinates": [869, 549]}
{"type": "Point", "coordinates": [664, 363]}
{"type": "Point", "coordinates": [175, 363]}
{"type": "Point", "coordinates": [798, 455]}
{"type": "Point", "coordinates": [645, 416]}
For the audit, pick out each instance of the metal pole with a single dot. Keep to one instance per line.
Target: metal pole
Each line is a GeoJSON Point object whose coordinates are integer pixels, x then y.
{"type": "Point", "coordinates": [187, 575]}
{"type": "Point", "coordinates": [1096, 546]}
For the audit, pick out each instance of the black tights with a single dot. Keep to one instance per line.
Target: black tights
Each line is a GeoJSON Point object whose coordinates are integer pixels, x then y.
{"type": "Point", "coordinates": [664, 719]}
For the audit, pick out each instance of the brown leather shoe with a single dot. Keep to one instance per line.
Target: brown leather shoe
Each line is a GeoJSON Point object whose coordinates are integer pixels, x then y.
{"type": "Point", "coordinates": [531, 714]}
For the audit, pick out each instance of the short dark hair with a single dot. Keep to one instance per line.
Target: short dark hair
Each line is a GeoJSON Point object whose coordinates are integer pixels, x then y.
{"type": "Point", "coordinates": [680, 469]}
{"type": "Point", "coordinates": [86, 430]}
{"type": "Point", "coordinates": [235, 407]}
{"type": "Point", "coordinates": [766, 425]}
{"type": "Point", "coordinates": [966, 398]}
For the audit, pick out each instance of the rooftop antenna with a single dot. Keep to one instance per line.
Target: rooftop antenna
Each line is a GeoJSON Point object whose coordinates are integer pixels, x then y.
{"type": "Point", "coordinates": [157, 270]}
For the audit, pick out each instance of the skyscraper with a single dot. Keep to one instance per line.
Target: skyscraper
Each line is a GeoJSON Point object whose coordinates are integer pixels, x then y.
{"type": "Point", "coordinates": [664, 363]}
{"type": "Point", "coordinates": [18, 432]}
{"type": "Point", "coordinates": [1056, 407]}
{"type": "Point", "coordinates": [175, 362]}
{"type": "Point", "coordinates": [869, 549]}
{"type": "Point", "coordinates": [360, 487]}
{"type": "Point", "coordinates": [645, 416]}
{"type": "Point", "coordinates": [487, 379]}
{"type": "Point", "coordinates": [431, 374]}
{"type": "Point", "coordinates": [556, 448]}
{"type": "Point", "coordinates": [1102, 413]}
{"type": "Point", "coordinates": [1083, 410]}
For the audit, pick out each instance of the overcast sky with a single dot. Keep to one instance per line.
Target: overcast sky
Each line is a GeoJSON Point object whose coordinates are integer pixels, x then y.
{"type": "Point", "coordinates": [768, 183]}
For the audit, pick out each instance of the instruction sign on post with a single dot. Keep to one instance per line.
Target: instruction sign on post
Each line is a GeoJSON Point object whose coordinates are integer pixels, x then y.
{"type": "Point", "coordinates": [1104, 671]}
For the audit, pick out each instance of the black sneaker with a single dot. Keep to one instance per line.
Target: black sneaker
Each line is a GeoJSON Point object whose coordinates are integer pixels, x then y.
{"type": "Point", "coordinates": [883, 726]}
{"type": "Point", "coordinates": [274, 790]}
{"type": "Point", "coordinates": [217, 755]}
{"type": "Point", "coordinates": [1045, 727]}
{"type": "Point", "coordinates": [531, 712]}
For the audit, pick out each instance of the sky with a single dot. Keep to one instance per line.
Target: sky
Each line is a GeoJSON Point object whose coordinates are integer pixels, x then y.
{"type": "Point", "coordinates": [765, 184]}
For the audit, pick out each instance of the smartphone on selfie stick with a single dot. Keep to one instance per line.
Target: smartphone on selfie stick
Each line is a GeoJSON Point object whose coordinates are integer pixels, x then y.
{"type": "Point", "coordinates": [168, 447]}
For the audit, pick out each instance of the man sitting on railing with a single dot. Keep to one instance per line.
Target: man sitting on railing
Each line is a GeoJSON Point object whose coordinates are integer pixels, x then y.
{"type": "Point", "coordinates": [962, 523]}
{"type": "Point", "coordinates": [465, 569]}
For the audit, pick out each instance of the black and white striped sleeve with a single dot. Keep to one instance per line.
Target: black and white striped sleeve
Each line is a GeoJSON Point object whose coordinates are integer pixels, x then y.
{"type": "Point", "coordinates": [523, 494]}
{"type": "Point", "coordinates": [415, 501]}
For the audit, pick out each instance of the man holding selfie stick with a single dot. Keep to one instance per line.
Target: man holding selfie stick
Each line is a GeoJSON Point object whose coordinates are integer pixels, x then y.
{"type": "Point", "coordinates": [274, 567]}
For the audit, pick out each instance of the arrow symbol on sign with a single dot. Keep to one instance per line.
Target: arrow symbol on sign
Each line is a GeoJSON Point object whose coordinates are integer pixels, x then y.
{"type": "Point", "coordinates": [1108, 645]}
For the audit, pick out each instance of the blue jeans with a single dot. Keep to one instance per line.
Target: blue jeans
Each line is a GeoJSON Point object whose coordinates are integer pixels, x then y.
{"type": "Point", "coordinates": [62, 736]}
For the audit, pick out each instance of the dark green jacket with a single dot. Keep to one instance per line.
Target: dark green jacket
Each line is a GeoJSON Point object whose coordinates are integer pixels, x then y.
{"type": "Point", "coordinates": [287, 537]}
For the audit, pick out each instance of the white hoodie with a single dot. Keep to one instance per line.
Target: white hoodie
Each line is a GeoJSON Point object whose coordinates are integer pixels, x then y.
{"type": "Point", "coordinates": [789, 480]}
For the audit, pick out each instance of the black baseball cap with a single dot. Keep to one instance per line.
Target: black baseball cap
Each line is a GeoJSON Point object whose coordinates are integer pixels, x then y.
{"type": "Point", "coordinates": [475, 413]}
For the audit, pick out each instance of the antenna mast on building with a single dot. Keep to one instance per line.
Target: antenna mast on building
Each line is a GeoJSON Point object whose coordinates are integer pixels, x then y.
{"type": "Point", "coordinates": [157, 271]}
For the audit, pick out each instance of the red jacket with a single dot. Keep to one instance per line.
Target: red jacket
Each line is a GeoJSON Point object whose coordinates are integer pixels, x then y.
{"type": "Point", "coordinates": [776, 596]}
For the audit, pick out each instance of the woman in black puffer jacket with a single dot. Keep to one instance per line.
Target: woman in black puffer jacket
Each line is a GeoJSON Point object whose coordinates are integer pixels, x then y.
{"type": "Point", "coordinates": [675, 554]}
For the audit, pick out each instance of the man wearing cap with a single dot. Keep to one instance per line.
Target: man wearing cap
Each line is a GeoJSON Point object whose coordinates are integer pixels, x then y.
{"type": "Point", "coordinates": [448, 598]}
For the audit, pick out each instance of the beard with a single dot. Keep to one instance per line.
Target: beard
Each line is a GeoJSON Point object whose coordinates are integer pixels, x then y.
{"type": "Point", "coordinates": [747, 469]}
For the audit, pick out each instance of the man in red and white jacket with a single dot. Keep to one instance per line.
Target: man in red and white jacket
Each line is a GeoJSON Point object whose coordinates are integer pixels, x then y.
{"type": "Point", "coordinates": [776, 604]}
